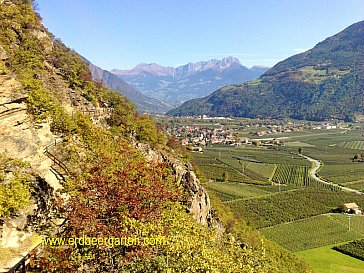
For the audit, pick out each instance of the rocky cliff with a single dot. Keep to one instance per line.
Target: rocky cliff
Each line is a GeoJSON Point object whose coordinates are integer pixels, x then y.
{"type": "Point", "coordinates": [196, 199]}
{"type": "Point", "coordinates": [26, 138]}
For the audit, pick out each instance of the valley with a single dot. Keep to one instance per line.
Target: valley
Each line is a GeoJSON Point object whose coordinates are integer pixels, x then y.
{"type": "Point", "coordinates": [291, 190]}
{"type": "Point", "coordinates": [207, 166]}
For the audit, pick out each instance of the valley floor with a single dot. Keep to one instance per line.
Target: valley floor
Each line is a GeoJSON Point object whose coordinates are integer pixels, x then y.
{"type": "Point", "coordinates": [326, 260]}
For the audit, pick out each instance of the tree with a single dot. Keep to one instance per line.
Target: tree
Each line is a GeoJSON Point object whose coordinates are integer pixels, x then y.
{"type": "Point", "coordinates": [300, 150]}
{"type": "Point", "coordinates": [225, 176]}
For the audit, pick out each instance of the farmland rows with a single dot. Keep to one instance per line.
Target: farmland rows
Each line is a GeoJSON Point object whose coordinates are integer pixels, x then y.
{"type": "Point", "coordinates": [288, 206]}
{"type": "Point", "coordinates": [354, 249]}
{"type": "Point", "coordinates": [316, 231]}
{"type": "Point", "coordinates": [299, 176]}
{"type": "Point", "coordinates": [229, 191]}
{"type": "Point", "coordinates": [354, 145]}
{"type": "Point", "coordinates": [265, 170]}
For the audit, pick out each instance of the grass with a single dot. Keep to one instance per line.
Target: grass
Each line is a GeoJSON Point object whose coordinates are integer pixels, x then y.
{"type": "Point", "coordinates": [326, 260]}
{"type": "Point", "coordinates": [316, 231]}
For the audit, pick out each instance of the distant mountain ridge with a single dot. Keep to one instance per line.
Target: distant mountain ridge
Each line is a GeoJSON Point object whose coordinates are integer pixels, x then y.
{"type": "Point", "coordinates": [142, 102]}
{"type": "Point", "coordinates": [324, 82]}
{"type": "Point", "coordinates": [188, 81]}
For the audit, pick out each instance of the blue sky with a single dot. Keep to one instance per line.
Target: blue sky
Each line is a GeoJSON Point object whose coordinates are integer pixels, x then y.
{"type": "Point", "coordinates": [123, 33]}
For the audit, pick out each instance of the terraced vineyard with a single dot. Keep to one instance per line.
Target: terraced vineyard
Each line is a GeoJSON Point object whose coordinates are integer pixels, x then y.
{"type": "Point", "coordinates": [354, 145]}
{"type": "Point", "coordinates": [316, 231]}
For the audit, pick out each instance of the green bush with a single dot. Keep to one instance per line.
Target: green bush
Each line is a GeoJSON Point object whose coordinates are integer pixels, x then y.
{"type": "Point", "coordinates": [14, 189]}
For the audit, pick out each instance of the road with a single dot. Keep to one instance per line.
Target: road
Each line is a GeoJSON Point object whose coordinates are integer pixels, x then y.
{"type": "Point", "coordinates": [313, 174]}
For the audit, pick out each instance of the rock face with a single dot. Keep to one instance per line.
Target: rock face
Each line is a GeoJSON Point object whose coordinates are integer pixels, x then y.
{"type": "Point", "coordinates": [3, 54]}
{"type": "Point", "coordinates": [21, 139]}
{"type": "Point", "coordinates": [197, 199]}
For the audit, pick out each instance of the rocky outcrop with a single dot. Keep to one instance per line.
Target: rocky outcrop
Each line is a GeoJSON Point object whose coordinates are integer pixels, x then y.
{"type": "Point", "coordinates": [3, 54]}
{"type": "Point", "coordinates": [21, 139]}
{"type": "Point", "coordinates": [197, 199]}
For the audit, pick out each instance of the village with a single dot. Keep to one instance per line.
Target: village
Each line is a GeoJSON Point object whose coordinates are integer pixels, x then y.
{"type": "Point", "coordinates": [195, 133]}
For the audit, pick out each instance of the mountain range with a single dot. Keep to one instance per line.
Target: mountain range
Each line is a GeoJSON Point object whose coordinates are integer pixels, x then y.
{"type": "Point", "coordinates": [141, 102]}
{"type": "Point", "coordinates": [193, 80]}
{"type": "Point", "coordinates": [322, 83]}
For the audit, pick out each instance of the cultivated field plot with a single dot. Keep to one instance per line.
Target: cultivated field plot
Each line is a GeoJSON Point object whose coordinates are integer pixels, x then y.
{"type": "Point", "coordinates": [288, 174]}
{"type": "Point", "coordinates": [354, 249]}
{"type": "Point", "coordinates": [230, 191]}
{"type": "Point", "coordinates": [356, 185]}
{"type": "Point", "coordinates": [342, 173]}
{"type": "Point", "coordinates": [264, 155]}
{"type": "Point", "coordinates": [214, 169]}
{"type": "Point", "coordinates": [354, 145]}
{"type": "Point", "coordinates": [337, 161]}
{"type": "Point", "coordinates": [265, 170]}
{"type": "Point", "coordinates": [298, 144]}
{"type": "Point", "coordinates": [326, 260]}
{"type": "Point", "coordinates": [279, 208]}
{"type": "Point", "coordinates": [316, 231]}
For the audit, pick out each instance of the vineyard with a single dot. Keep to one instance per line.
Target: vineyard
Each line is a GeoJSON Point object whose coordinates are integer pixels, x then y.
{"type": "Point", "coordinates": [230, 191]}
{"type": "Point", "coordinates": [316, 231]}
{"type": "Point", "coordinates": [299, 176]}
{"type": "Point", "coordinates": [288, 174]}
{"type": "Point", "coordinates": [354, 145]}
{"type": "Point", "coordinates": [291, 205]}
{"type": "Point", "coordinates": [265, 170]}
{"type": "Point", "coordinates": [354, 249]}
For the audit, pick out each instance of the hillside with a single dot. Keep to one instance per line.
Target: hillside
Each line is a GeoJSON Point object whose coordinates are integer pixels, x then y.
{"type": "Point", "coordinates": [142, 102]}
{"type": "Point", "coordinates": [324, 82]}
{"type": "Point", "coordinates": [193, 80]}
{"type": "Point", "coordinates": [78, 163]}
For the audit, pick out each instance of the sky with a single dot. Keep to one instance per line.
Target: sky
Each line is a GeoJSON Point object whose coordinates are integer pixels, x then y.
{"type": "Point", "coordinates": [123, 33]}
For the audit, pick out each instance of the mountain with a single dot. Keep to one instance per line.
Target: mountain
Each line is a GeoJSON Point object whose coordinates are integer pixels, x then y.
{"type": "Point", "coordinates": [324, 82]}
{"type": "Point", "coordinates": [142, 102]}
{"type": "Point", "coordinates": [193, 80]}
{"type": "Point", "coordinates": [77, 161]}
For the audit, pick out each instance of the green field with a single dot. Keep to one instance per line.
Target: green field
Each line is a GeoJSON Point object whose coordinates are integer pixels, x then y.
{"type": "Point", "coordinates": [298, 144]}
{"type": "Point", "coordinates": [338, 166]}
{"type": "Point", "coordinates": [247, 165]}
{"type": "Point", "coordinates": [316, 231]}
{"type": "Point", "coordinates": [326, 260]}
{"type": "Point", "coordinates": [263, 169]}
{"type": "Point", "coordinates": [295, 211]}
{"type": "Point", "coordinates": [354, 249]}
{"type": "Point", "coordinates": [230, 191]}
{"type": "Point", "coordinates": [354, 145]}
{"type": "Point", "coordinates": [278, 208]}
{"type": "Point", "coordinates": [356, 185]}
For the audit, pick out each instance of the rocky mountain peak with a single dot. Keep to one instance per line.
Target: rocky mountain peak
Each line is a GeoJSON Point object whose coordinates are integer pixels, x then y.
{"type": "Point", "coordinates": [180, 71]}
{"type": "Point", "coordinates": [152, 68]}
